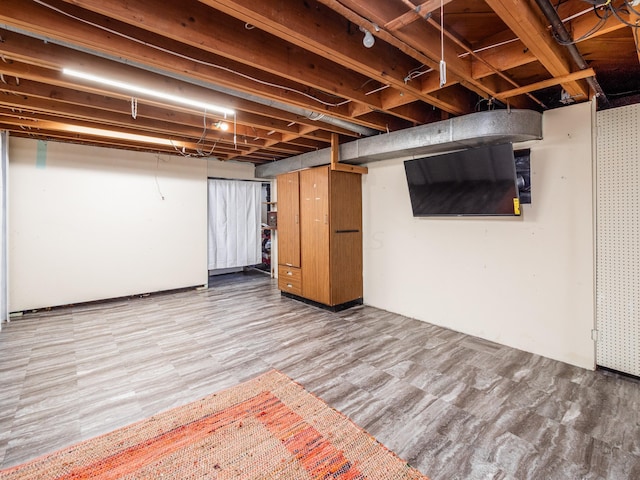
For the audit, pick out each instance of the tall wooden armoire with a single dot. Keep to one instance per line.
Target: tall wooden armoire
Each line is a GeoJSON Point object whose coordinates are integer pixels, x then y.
{"type": "Point", "coordinates": [320, 236]}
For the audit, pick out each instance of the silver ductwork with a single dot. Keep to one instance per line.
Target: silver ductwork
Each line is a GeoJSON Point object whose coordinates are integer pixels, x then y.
{"type": "Point", "coordinates": [473, 130]}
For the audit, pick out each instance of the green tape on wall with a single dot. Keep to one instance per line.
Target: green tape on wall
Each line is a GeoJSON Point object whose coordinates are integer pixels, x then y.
{"type": "Point", "coordinates": [41, 156]}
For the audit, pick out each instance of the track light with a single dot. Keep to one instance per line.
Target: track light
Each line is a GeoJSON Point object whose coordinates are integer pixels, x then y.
{"type": "Point", "coordinates": [368, 39]}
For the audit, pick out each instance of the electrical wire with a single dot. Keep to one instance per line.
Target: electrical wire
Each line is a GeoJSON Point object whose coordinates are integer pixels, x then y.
{"type": "Point", "coordinates": [635, 26]}
{"type": "Point", "coordinates": [417, 72]}
{"type": "Point", "coordinates": [603, 11]}
{"type": "Point", "coordinates": [630, 7]}
{"type": "Point", "coordinates": [620, 19]}
{"type": "Point", "coordinates": [200, 153]}
{"type": "Point", "coordinates": [593, 30]}
{"type": "Point", "coordinates": [191, 59]}
{"type": "Point", "coordinates": [157, 182]}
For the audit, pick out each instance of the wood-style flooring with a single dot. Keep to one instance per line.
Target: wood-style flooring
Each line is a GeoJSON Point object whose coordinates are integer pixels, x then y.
{"type": "Point", "coordinates": [454, 406]}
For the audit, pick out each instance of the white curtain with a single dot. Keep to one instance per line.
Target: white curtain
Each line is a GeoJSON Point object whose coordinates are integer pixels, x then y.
{"type": "Point", "coordinates": [4, 163]}
{"type": "Point", "coordinates": [234, 224]}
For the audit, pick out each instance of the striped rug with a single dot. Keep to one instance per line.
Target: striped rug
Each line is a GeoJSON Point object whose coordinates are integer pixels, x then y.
{"type": "Point", "coordinates": [266, 428]}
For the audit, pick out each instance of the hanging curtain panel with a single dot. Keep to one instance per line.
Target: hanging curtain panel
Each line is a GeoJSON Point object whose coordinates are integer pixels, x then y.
{"type": "Point", "coordinates": [4, 164]}
{"type": "Point", "coordinates": [234, 224]}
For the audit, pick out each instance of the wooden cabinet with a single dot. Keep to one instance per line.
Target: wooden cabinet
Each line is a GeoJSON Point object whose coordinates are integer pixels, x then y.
{"type": "Point", "coordinates": [314, 234]}
{"type": "Point", "coordinates": [325, 219]}
{"type": "Point", "coordinates": [345, 237]}
{"type": "Point", "coordinates": [288, 192]}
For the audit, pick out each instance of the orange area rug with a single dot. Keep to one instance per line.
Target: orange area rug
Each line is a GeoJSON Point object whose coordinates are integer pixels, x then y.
{"type": "Point", "coordinates": [266, 428]}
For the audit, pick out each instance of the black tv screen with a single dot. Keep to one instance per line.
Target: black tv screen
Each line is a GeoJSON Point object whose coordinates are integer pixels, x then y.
{"type": "Point", "coordinates": [477, 181]}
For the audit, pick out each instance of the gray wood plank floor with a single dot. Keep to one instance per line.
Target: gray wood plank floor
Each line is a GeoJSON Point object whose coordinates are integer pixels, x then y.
{"type": "Point", "coordinates": [454, 406]}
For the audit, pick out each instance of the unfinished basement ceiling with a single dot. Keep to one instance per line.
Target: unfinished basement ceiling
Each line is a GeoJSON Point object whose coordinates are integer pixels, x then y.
{"type": "Point", "coordinates": [296, 71]}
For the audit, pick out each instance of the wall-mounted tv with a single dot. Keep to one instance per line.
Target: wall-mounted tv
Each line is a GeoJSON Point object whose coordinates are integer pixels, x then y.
{"type": "Point", "coordinates": [476, 181]}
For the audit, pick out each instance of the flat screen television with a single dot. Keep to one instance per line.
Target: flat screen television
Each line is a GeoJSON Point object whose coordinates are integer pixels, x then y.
{"type": "Point", "coordinates": [476, 181]}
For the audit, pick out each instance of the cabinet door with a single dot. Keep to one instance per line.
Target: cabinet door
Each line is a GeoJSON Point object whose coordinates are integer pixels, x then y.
{"type": "Point", "coordinates": [288, 219]}
{"type": "Point", "coordinates": [346, 237]}
{"type": "Point", "coordinates": [314, 234]}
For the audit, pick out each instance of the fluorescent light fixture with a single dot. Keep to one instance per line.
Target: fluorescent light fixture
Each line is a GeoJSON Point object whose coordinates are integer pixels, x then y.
{"type": "Point", "coordinates": [209, 107]}
{"type": "Point", "coordinates": [120, 135]}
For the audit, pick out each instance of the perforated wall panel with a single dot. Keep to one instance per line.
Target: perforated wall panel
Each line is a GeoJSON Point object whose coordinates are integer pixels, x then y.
{"type": "Point", "coordinates": [618, 239]}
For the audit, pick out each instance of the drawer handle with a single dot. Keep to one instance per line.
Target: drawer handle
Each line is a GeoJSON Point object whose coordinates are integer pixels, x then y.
{"type": "Point", "coordinates": [347, 231]}
{"type": "Point", "coordinates": [289, 285]}
{"type": "Point", "coordinates": [289, 273]}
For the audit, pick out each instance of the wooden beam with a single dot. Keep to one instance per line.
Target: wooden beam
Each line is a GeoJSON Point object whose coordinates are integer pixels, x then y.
{"type": "Point", "coordinates": [419, 40]}
{"type": "Point", "coordinates": [114, 135]}
{"type": "Point", "coordinates": [335, 159]}
{"type": "Point", "coordinates": [47, 58]}
{"type": "Point", "coordinates": [330, 38]}
{"type": "Point", "coordinates": [504, 52]}
{"type": "Point", "coordinates": [232, 41]}
{"type": "Point", "coordinates": [589, 72]}
{"type": "Point", "coordinates": [346, 167]}
{"type": "Point", "coordinates": [230, 73]}
{"type": "Point", "coordinates": [73, 103]}
{"type": "Point", "coordinates": [417, 12]}
{"type": "Point", "coordinates": [526, 23]}
{"type": "Point", "coordinates": [50, 84]}
{"type": "Point", "coordinates": [335, 151]}
{"type": "Point", "coordinates": [504, 57]}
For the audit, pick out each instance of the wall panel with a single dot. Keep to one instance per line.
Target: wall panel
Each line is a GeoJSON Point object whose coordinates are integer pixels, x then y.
{"type": "Point", "coordinates": [526, 282]}
{"type": "Point", "coordinates": [89, 223]}
{"type": "Point", "coordinates": [618, 239]}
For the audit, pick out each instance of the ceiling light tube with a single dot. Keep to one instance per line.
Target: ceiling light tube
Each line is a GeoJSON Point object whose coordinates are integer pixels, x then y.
{"type": "Point", "coordinates": [209, 107]}
{"type": "Point", "coordinates": [99, 132]}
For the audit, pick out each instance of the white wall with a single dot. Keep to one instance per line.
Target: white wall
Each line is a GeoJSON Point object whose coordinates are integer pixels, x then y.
{"type": "Point", "coordinates": [231, 169]}
{"type": "Point", "coordinates": [525, 282]}
{"type": "Point", "coordinates": [91, 223]}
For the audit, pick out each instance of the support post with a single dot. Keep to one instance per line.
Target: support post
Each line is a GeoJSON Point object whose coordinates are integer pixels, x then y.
{"type": "Point", "coordinates": [335, 159]}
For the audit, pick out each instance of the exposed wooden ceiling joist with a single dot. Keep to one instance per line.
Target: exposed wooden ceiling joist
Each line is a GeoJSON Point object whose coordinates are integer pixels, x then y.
{"type": "Point", "coordinates": [296, 72]}
{"type": "Point", "coordinates": [526, 23]}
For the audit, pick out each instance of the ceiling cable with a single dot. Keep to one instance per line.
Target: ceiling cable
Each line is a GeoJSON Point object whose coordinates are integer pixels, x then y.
{"type": "Point", "coordinates": [301, 111]}
{"type": "Point", "coordinates": [471, 51]}
{"type": "Point", "coordinates": [561, 32]}
{"type": "Point", "coordinates": [191, 59]}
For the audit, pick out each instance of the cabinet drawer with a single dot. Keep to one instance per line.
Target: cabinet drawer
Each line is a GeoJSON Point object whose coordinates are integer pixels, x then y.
{"type": "Point", "coordinates": [291, 273]}
{"type": "Point", "coordinates": [290, 285]}
{"type": "Point", "coordinates": [290, 279]}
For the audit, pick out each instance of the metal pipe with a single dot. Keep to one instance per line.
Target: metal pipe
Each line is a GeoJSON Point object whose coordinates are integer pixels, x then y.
{"type": "Point", "coordinates": [564, 36]}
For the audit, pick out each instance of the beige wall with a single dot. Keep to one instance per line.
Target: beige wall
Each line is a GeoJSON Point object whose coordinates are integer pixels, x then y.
{"type": "Point", "coordinates": [524, 282]}
{"type": "Point", "coordinates": [231, 169]}
{"type": "Point", "coordinates": [90, 223]}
